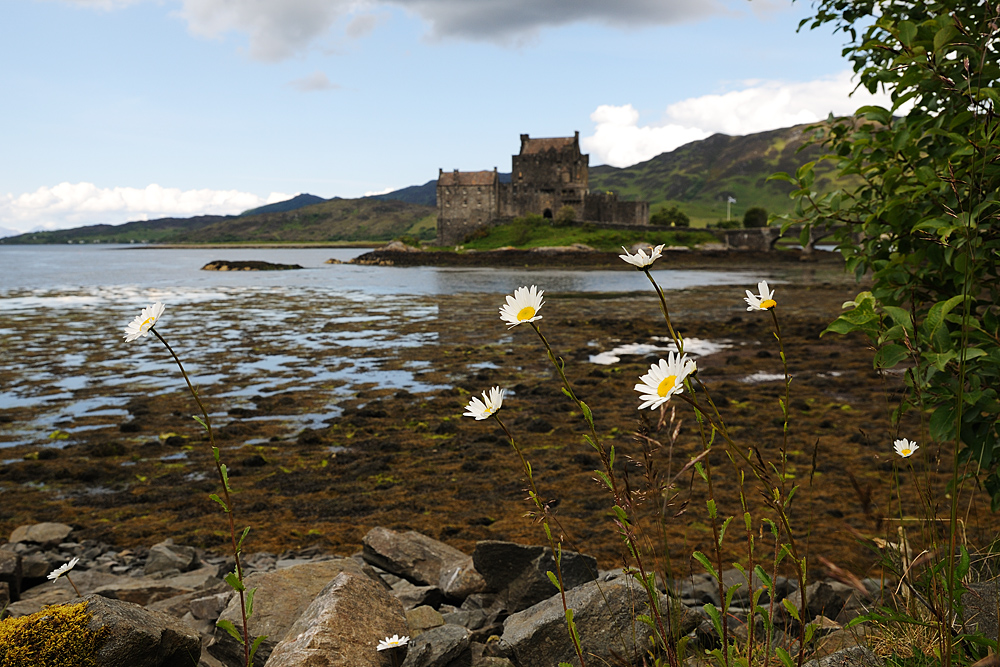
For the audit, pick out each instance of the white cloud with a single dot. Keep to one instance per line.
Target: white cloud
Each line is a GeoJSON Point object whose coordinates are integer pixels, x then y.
{"type": "Point", "coordinates": [315, 81]}
{"type": "Point", "coordinates": [373, 193]}
{"type": "Point", "coordinates": [75, 204]}
{"type": "Point", "coordinates": [103, 4]}
{"type": "Point", "coordinates": [620, 141]}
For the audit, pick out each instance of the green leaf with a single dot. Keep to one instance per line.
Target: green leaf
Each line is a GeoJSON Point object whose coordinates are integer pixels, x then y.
{"type": "Point", "coordinates": [907, 32]}
{"type": "Point", "coordinates": [239, 545]}
{"type": "Point", "coordinates": [587, 414]}
{"type": "Point", "coordinates": [225, 476]}
{"type": "Point", "coordinates": [230, 628]}
{"type": "Point", "coordinates": [705, 563]}
{"type": "Point", "coordinates": [786, 659]}
{"type": "Point", "coordinates": [722, 531]}
{"type": "Point", "coordinates": [200, 421]}
{"type": "Point", "coordinates": [712, 512]}
{"type": "Point", "coordinates": [249, 598]}
{"type": "Point", "coordinates": [791, 608]}
{"type": "Point", "coordinates": [216, 498]}
{"type": "Point", "coordinates": [890, 355]}
{"type": "Point", "coordinates": [256, 645]}
{"type": "Point", "coordinates": [944, 36]}
{"type": "Point", "coordinates": [554, 579]}
{"type": "Point", "coordinates": [234, 582]}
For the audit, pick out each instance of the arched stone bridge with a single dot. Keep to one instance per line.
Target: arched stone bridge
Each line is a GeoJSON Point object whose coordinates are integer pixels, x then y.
{"type": "Point", "coordinates": [763, 239]}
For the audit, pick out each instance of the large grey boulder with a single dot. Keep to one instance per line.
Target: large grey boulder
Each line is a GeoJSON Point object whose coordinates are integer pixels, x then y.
{"type": "Point", "coordinates": [423, 561]}
{"type": "Point", "coordinates": [857, 656]}
{"type": "Point", "coordinates": [518, 572]}
{"type": "Point", "coordinates": [167, 556]}
{"type": "Point", "coordinates": [605, 613]}
{"type": "Point", "coordinates": [444, 646]}
{"type": "Point", "coordinates": [60, 591]}
{"type": "Point", "coordinates": [45, 534]}
{"type": "Point", "coordinates": [980, 606]}
{"type": "Point", "coordinates": [281, 598]}
{"type": "Point", "coordinates": [342, 626]}
{"type": "Point", "coordinates": [11, 573]}
{"type": "Point", "coordinates": [140, 637]}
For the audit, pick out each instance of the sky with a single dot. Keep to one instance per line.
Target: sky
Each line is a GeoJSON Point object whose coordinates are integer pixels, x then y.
{"type": "Point", "coordinates": [119, 110]}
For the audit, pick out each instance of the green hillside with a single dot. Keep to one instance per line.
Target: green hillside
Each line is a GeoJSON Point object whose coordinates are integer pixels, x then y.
{"type": "Point", "coordinates": [330, 221]}
{"type": "Point", "coordinates": [700, 176]}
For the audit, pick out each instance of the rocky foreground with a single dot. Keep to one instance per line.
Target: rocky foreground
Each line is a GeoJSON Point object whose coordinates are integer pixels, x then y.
{"type": "Point", "coordinates": [493, 608]}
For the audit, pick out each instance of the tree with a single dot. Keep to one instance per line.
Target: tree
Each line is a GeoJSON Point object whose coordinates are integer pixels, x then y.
{"type": "Point", "coordinates": [565, 216]}
{"type": "Point", "coordinates": [926, 209]}
{"type": "Point", "coordinates": [755, 216]}
{"type": "Point", "coordinates": [670, 217]}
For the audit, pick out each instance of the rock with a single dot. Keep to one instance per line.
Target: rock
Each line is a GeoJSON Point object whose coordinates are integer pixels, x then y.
{"type": "Point", "coordinates": [167, 556]}
{"type": "Point", "coordinates": [46, 534]}
{"type": "Point", "coordinates": [444, 646]}
{"type": "Point", "coordinates": [140, 637]}
{"type": "Point", "coordinates": [518, 573]}
{"type": "Point", "coordinates": [35, 567]}
{"type": "Point", "coordinates": [342, 626]}
{"type": "Point", "coordinates": [411, 555]}
{"type": "Point", "coordinates": [140, 591]}
{"type": "Point", "coordinates": [460, 580]}
{"type": "Point", "coordinates": [421, 619]}
{"type": "Point", "coordinates": [4, 597]}
{"type": "Point", "coordinates": [980, 607]}
{"type": "Point", "coordinates": [253, 265]}
{"type": "Point", "coordinates": [411, 595]}
{"type": "Point", "coordinates": [858, 656]}
{"type": "Point", "coordinates": [60, 591]}
{"type": "Point", "coordinates": [605, 615]}
{"type": "Point", "coordinates": [210, 607]}
{"type": "Point", "coordinates": [823, 598]}
{"type": "Point", "coordinates": [11, 573]}
{"type": "Point", "coordinates": [282, 596]}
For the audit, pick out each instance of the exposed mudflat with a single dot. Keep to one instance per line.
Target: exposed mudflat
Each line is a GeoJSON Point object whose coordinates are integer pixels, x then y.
{"type": "Point", "coordinates": [337, 414]}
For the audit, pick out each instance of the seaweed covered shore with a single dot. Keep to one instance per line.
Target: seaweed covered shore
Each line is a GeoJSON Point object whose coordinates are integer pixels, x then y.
{"type": "Point", "coordinates": [378, 438]}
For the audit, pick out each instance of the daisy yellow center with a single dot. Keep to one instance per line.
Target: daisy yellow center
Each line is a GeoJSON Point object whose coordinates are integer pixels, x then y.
{"type": "Point", "coordinates": [525, 313]}
{"type": "Point", "coordinates": [667, 384]}
{"type": "Point", "coordinates": [906, 452]}
{"type": "Point", "coordinates": [767, 304]}
{"type": "Point", "coordinates": [148, 322]}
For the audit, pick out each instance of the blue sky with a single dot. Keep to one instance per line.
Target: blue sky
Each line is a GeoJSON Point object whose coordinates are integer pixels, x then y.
{"type": "Point", "coordinates": [117, 110]}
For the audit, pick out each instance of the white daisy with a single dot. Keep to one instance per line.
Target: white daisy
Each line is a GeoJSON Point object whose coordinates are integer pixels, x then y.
{"type": "Point", "coordinates": [392, 642]}
{"type": "Point", "coordinates": [639, 259]}
{"type": "Point", "coordinates": [905, 448]}
{"type": "Point", "coordinates": [485, 408]}
{"type": "Point", "coordinates": [140, 326]}
{"type": "Point", "coordinates": [762, 301]}
{"type": "Point", "coordinates": [522, 307]}
{"type": "Point", "coordinates": [63, 569]}
{"type": "Point", "coordinates": [664, 379]}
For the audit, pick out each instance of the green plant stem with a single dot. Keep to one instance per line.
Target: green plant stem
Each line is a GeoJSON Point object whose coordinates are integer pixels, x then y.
{"type": "Point", "coordinates": [784, 405]}
{"type": "Point", "coordinates": [225, 492]}
{"type": "Point", "coordinates": [74, 586]}
{"type": "Point", "coordinates": [666, 313]}
{"type": "Point", "coordinates": [544, 516]}
{"type": "Point", "coordinates": [609, 469]}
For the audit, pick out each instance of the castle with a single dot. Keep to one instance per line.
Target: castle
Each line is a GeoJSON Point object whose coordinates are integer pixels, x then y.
{"type": "Point", "coordinates": [547, 176]}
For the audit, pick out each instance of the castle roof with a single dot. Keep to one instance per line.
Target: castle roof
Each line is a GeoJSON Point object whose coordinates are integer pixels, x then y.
{"type": "Point", "coordinates": [467, 178]}
{"type": "Point", "coordinates": [535, 146]}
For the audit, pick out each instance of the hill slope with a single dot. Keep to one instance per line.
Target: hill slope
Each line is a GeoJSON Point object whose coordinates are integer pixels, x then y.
{"type": "Point", "coordinates": [298, 201]}
{"type": "Point", "coordinates": [329, 221]}
{"type": "Point", "coordinates": [699, 177]}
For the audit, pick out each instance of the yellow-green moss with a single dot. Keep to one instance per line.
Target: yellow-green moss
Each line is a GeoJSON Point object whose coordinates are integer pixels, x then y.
{"type": "Point", "coordinates": [57, 636]}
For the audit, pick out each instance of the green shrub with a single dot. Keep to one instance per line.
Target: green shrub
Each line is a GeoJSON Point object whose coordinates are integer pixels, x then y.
{"type": "Point", "coordinates": [670, 217]}
{"type": "Point", "coordinates": [755, 217]}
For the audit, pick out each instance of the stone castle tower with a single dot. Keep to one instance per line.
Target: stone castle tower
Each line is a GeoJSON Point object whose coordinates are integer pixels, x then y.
{"type": "Point", "coordinates": [547, 176]}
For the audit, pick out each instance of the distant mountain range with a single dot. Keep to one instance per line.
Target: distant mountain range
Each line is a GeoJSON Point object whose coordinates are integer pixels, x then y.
{"type": "Point", "coordinates": [698, 177]}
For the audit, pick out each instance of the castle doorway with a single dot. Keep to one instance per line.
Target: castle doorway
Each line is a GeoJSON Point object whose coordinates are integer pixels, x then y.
{"type": "Point", "coordinates": [547, 213]}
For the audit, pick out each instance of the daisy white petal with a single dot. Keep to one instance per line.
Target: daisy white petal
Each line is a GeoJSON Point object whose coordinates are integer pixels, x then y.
{"type": "Point", "coordinates": [639, 259]}
{"type": "Point", "coordinates": [140, 326]}
{"type": "Point", "coordinates": [63, 569]}
{"type": "Point", "coordinates": [392, 642]}
{"type": "Point", "coordinates": [763, 300]}
{"type": "Point", "coordinates": [664, 379]}
{"type": "Point", "coordinates": [522, 306]}
{"type": "Point", "coordinates": [905, 448]}
{"type": "Point", "coordinates": [483, 409]}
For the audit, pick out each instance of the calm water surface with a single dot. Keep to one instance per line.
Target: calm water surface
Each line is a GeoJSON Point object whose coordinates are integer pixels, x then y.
{"type": "Point", "coordinates": [64, 369]}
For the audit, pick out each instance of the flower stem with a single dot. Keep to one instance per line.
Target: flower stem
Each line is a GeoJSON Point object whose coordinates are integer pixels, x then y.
{"type": "Point", "coordinates": [225, 492]}
{"type": "Point", "coordinates": [556, 549]}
